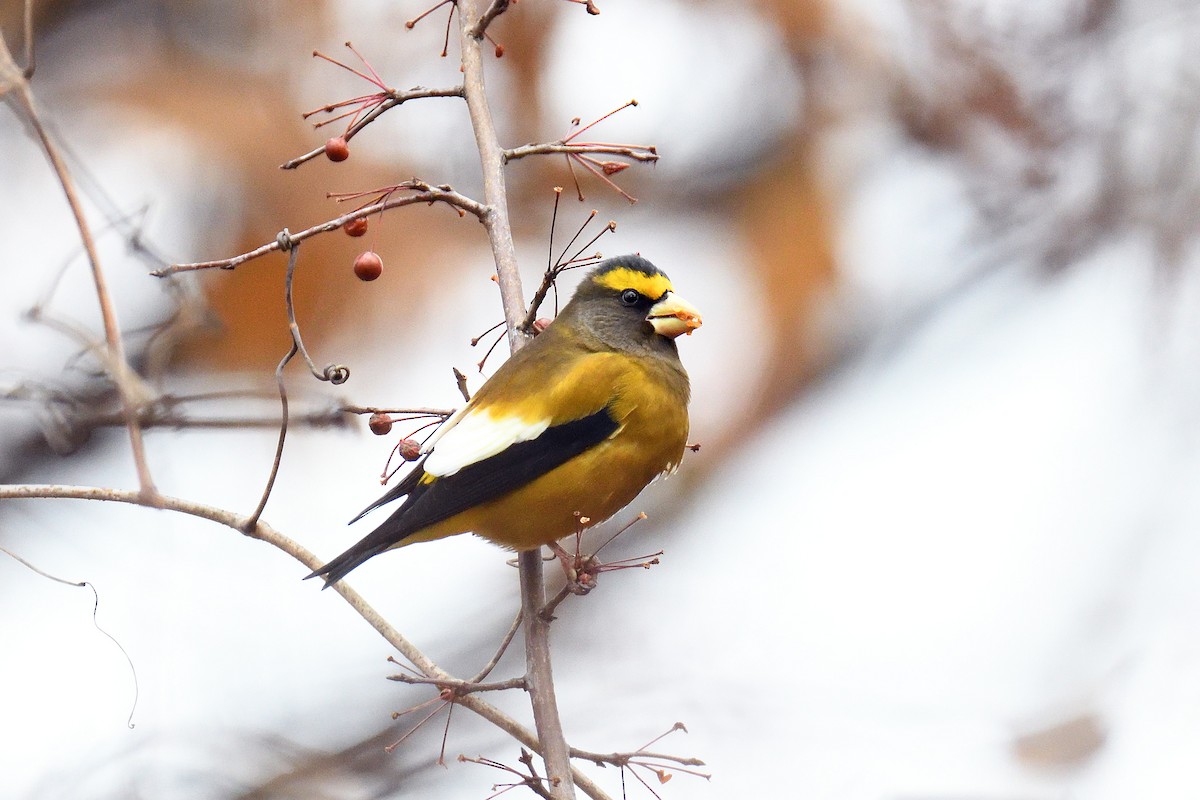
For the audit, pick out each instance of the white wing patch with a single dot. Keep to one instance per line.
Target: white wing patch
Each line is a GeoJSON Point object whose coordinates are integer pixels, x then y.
{"type": "Point", "coordinates": [474, 436]}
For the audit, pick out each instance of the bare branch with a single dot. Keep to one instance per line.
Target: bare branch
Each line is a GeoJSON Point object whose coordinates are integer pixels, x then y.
{"type": "Point", "coordinates": [643, 153]}
{"type": "Point", "coordinates": [394, 97]}
{"type": "Point", "coordinates": [539, 676]}
{"type": "Point", "coordinates": [265, 533]}
{"type": "Point", "coordinates": [508, 637]}
{"type": "Point", "coordinates": [622, 759]}
{"type": "Point", "coordinates": [426, 193]}
{"type": "Point", "coordinates": [494, 9]}
{"type": "Point", "coordinates": [419, 411]}
{"type": "Point", "coordinates": [460, 688]}
{"type": "Point", "coordinates": [491, 159]}
{"type": "Point", "coordinates": [27, 25]}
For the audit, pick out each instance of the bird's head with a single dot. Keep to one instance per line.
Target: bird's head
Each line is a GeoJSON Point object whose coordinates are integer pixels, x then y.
{"type": "Point", "coordinates": [629, 303]}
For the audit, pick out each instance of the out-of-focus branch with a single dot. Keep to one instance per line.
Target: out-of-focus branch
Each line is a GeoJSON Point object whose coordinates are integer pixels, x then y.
{"type": "Point", "coordinates": [114, 360]}
{"type": "Point", "coordinates": [27, 26]}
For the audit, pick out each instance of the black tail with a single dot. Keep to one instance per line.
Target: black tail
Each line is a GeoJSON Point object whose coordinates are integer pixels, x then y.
{"type": "Point", "coordinates": [339, 567]}
{"type": "Point", "coordinates": [375, 543]}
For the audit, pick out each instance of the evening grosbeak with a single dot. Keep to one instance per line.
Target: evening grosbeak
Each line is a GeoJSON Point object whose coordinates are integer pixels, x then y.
{"type": "Point", "coordinates": [566, 433]}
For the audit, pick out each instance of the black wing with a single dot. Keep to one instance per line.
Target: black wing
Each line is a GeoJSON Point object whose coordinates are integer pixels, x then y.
{"type": "Point", "coordinates": [430, 503]}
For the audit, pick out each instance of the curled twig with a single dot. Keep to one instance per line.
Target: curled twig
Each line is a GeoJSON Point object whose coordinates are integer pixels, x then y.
{"type": "Point", "coordinates": [334, 373]}
{"type": "Point", "coordinates": [95, 622]}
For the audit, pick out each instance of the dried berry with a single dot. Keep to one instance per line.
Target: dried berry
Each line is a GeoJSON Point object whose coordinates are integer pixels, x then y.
{"type": "Point", "coordinates": [336, 149]}
{"type": "Point", "coordinates": [368, 266]}
{"type": "Point", "coordinates": [380, 424]}
{"type": "Point", "coordinates": [409, 449]}
{"type": "Point", "coordinates": [356, 227]}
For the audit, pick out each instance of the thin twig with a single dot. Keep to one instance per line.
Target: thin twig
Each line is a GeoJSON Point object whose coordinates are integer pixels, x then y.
{"type": "Point", "coordinates": [508, 637]}
{"type": "Point", "coordinates": [27, 24]}
{"type": "Point", "coordinates": [547, 612]}
{"type": "Point", "coordinates": [637, 152]}
{"type": "Point", "coordinates": [550, 277]}
{"type": "Point", "coordinates": [419, 411]}
{"type": "Point", "coordinates": [337, 374]}
{"type": "Point", "coordinates": [532, 781]}
{"type": "Point", "coordinates": [425, 194]}
{"type": "Point", "coordinates": [394, 98]}
{"type": "Point", "coordinates": [459, 687]}
{"type": "Point", "coordinates": [392, 747]}
{"type": "Point", "coordinates": [620, 759]}
{"type": "Point", "coordinates": [252, 520]}
{"type": "Point", "coordinates": [334, 373]}
{"type": "Point", "coordinates": [494, 9]}
{"type": "Point", "coordinates": [157, 418]}
{"type": "Point", "coordinates": [95, 623]}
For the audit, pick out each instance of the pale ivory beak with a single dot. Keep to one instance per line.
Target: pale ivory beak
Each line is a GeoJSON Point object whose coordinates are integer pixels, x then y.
{"type": "Point", "coordinates": [673, 315]}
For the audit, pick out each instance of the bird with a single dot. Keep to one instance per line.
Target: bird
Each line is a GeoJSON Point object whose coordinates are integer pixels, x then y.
{"type": "Point", "coordinates": [563, 435]}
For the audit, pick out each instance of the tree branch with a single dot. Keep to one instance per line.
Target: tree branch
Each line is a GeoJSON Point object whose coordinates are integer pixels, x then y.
{"type": "Point", "coordinates": [491, 160]}
{"type": "Point", "coordinates": [538, 675]}
{"type": "Point", "coordinates": [494, 9]}
{"type": "Point", "coordinates": [265, 533]}
{"type": "Point", "coordinates": [395, 97]}
{"type": "Point", "coordinates": [460, 688]}
{"type": "Point", "coordinates": [115, 362]}
{"type": "Point", "coordinates": [635, 151]}
{"type": "Point", "coordinates": [426, 193]}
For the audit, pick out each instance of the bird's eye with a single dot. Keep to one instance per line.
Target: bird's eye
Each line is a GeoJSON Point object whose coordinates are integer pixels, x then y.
{"type": "Point", "coordinates": [630, 297]}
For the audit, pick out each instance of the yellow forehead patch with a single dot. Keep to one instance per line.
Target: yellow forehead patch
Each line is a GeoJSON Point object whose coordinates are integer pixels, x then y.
{"type": "Point", "coordinates": [622, 278]}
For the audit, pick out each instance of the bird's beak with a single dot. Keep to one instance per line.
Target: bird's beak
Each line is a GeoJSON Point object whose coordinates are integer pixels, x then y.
{"type": "Point", "coordinates": [673, 315]}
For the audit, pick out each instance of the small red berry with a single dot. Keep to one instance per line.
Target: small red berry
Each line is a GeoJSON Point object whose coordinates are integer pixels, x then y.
{"type": "Point", "coordinates": [409, 449]}
{"type": "Point", "coordinates": [380, 424]}
{"type": "Point", "coordinates": [336, 149]}
{"type": "Point", "coordinates": [356, 227]}
{"type": "Point", "coordinates": [499, 51]}
{"type": "Point", "coordinates": [368, 266]}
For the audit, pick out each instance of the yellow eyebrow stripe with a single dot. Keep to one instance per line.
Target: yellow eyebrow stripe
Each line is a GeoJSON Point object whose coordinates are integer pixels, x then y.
{"type": "Point", "coordinates": [622, 278]}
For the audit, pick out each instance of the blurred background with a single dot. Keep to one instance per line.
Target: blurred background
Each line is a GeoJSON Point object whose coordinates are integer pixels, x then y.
{"type": "Point", "coordinates": [939, 542]}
